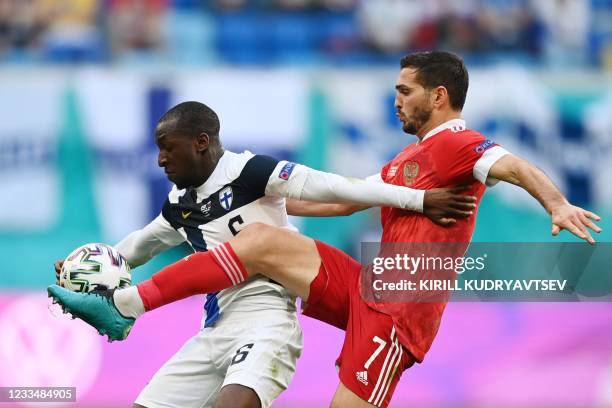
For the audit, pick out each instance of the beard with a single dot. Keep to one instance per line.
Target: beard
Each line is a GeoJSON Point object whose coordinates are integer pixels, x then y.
{"type": "Point", "coordinates": [419, 117]}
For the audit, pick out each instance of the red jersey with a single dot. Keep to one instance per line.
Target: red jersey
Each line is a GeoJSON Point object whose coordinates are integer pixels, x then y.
{"type": "Point", "coordinates": [448, 156]}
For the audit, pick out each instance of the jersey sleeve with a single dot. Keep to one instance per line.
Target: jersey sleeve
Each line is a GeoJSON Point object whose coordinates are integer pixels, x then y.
{"type": "Point", "coordinates": [163, 230]}
{"type": "Point", "coordinates": [287, 180]}
{"type": "Point", "coordinates": [142, 245]}
{"type": "Point", "coordinates": [257, 173]}
{"type": "Point", "coordinates": [484, 164]}
{"type": "Point", "coordinates": [469, 156]}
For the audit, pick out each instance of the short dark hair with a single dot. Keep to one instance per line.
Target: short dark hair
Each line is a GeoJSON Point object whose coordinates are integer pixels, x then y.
{"type": "Point", "coordinates": [192, 118]}
{"type": "Point", "coordinates": [439, 68]}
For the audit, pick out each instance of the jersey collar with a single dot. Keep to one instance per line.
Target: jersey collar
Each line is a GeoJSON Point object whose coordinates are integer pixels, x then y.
{"type": "Point", "coordinates": [454, 124]}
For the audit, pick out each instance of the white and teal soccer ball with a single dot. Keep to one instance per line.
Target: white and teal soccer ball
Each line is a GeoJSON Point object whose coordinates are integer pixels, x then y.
{"type": "Point", "coordinates": [95, 266]}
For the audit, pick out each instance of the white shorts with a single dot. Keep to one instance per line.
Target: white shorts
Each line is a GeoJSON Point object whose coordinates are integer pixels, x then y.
{"type": "Point", "coordinates": [256, 349]}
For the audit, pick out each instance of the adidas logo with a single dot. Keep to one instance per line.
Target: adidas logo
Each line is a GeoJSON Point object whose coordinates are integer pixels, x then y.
{"type": "Point", "coordinates": [362, 376]}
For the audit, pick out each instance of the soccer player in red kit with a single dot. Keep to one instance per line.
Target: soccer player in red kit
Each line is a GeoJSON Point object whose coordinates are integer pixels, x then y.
{"type": "Point", "coordinates": [382, 338]}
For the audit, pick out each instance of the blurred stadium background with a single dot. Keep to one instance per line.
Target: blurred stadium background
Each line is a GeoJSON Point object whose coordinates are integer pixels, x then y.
{"type": "Point", "coordinates": [82, 83]}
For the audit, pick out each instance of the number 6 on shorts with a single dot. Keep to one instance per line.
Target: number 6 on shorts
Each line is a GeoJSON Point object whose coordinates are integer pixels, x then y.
{"type": "Point", "coordinates": [242, 353]}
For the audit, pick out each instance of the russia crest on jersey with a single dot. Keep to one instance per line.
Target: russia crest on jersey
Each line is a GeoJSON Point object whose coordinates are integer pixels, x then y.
{"type": "Point", "coordinates": [411, 172]}
{"type": "Point", "coordinates": [225, 198]}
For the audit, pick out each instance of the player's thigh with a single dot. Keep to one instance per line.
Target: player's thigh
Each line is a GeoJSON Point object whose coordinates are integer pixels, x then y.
{"type": "Point", "coordinates": [265, 354]}
{"type": "Point", "coordinates": [372, 358]}
{"type": "Point", "coordinates": [188, 379]}
{"type": "Point", "coordinates": [287, 257]}
{"type": "Point", "coordinates": [237, 396]}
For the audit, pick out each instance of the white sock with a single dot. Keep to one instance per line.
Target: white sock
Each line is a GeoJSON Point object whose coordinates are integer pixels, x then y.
{"type": "Point", "coordinates": [128, 302]}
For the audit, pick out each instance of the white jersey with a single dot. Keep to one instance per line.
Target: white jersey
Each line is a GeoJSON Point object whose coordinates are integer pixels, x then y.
{"type": "Point", "coordinates": [241, 190]}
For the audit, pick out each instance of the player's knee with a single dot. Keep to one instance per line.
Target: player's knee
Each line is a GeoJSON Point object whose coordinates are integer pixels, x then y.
{"type": "Point", "coordinates": [237, 396]}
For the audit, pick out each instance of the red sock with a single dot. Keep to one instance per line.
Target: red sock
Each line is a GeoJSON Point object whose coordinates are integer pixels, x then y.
{"type": "Point", "coordinates": [202, 272]}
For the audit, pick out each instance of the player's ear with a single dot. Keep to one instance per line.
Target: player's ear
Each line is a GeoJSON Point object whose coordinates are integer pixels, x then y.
{"type": "Point", "coordinates": [202, 142]}
{"type": "Point", "coordinates": [439, 96]}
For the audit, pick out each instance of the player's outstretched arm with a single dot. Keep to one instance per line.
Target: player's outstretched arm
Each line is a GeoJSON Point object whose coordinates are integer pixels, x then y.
{"type": "Point", "coordinates": [442, 205]}
{"type": "Point", "coordinates": [304, 183]}
{"type": "Point", "coordinates": [564, 215]}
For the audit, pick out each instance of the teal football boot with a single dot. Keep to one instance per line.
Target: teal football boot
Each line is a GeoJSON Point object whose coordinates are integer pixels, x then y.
{"type": "Point", "coordinates": [96, 308]}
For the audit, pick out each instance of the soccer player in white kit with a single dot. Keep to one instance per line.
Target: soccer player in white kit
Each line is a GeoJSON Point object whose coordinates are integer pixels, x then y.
{"type": "Point", "coordinates": [246, 351]}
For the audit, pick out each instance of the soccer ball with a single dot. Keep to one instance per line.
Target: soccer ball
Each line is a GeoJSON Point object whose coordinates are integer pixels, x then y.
{"type": "Point", "coordinates": [95, 266]}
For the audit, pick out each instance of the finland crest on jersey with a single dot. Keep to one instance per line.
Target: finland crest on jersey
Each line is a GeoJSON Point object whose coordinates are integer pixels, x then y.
{"type": "Point", "coordinates": [209, 215]}
{"type": "Point", "coordinates": [225, 198]}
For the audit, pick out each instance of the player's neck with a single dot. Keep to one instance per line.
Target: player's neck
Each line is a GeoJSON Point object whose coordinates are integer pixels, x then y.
{"type": "Point", "coordinates": [210, 165]}
{"type": "Point", "coordinates": [435, 121]}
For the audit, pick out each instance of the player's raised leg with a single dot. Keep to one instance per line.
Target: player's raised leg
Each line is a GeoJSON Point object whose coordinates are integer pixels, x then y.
{"type": "Point", "coordinates": [287, 257]}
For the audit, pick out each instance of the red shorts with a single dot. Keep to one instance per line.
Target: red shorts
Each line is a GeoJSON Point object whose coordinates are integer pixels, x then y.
{"type": "Point", "coordinates": [372, 359]}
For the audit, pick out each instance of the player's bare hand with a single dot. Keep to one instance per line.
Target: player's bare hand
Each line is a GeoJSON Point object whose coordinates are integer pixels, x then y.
{"type": "Point", "coordinates": [576, 220]}
{"type": "Point", "coordinates": [58, 268]}
{"type": "Point", "coordinates": [445, 205]}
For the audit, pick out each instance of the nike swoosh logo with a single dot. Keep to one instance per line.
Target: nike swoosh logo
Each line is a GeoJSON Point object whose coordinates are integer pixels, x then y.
{"type": "Point", "coordinates": [185, 214]}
